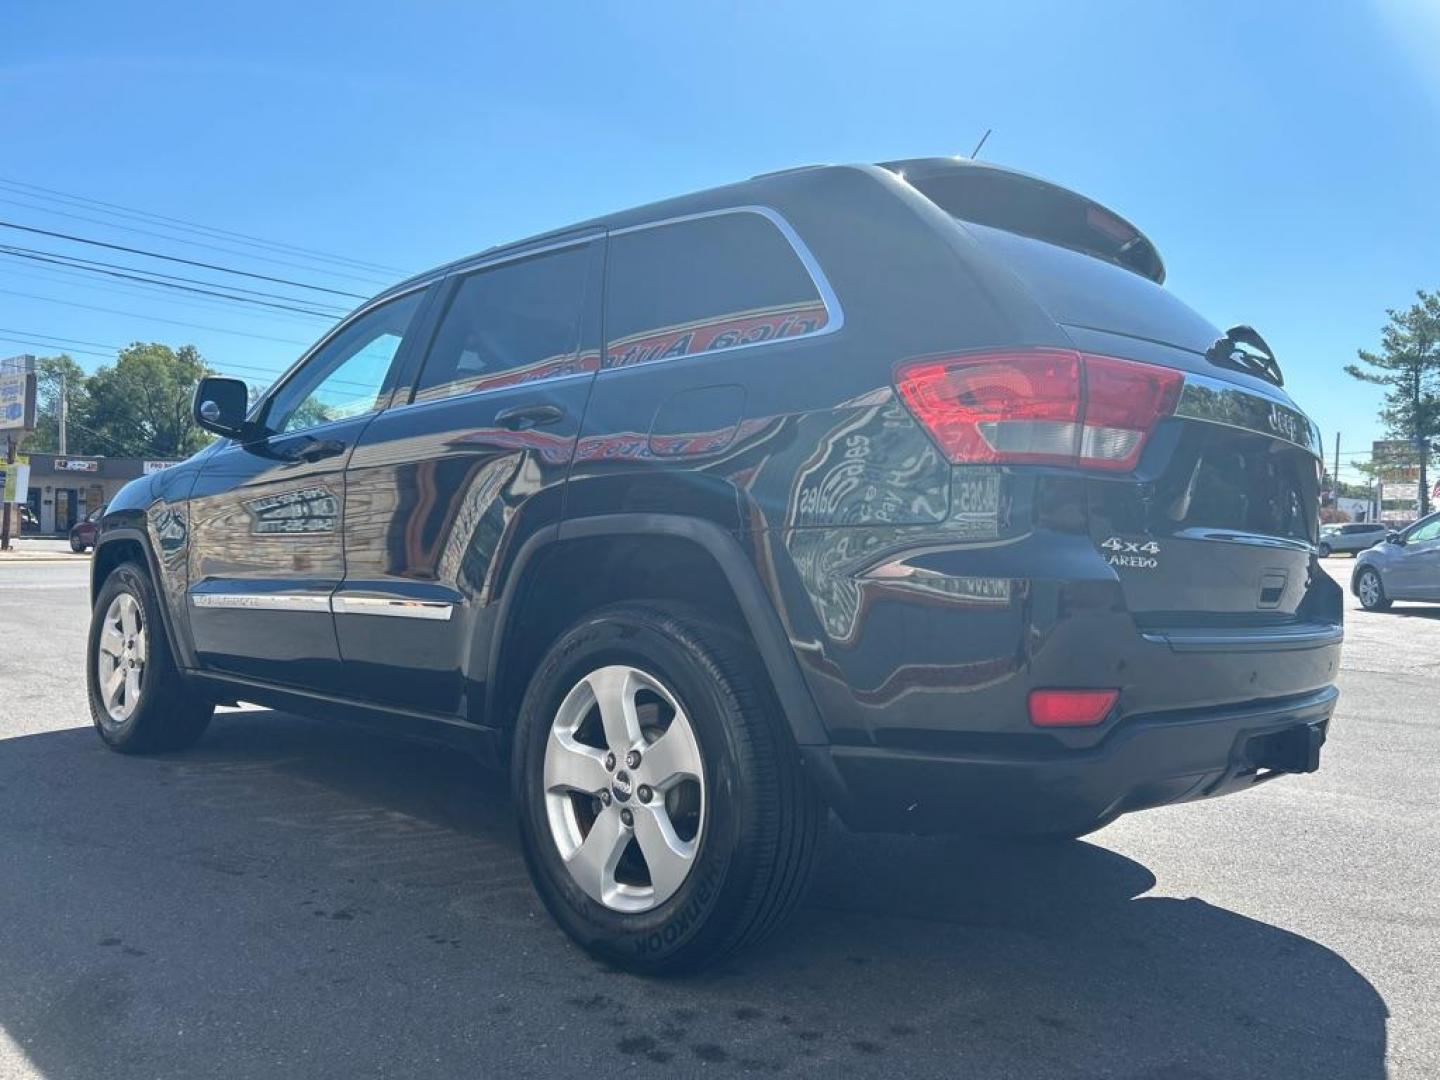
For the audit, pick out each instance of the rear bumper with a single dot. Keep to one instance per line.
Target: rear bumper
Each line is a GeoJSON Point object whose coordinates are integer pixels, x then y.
{"type": "Point", "coordinates": [1019, 786]}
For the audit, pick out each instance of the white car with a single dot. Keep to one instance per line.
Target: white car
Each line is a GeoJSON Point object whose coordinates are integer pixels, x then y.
{"type": "Point", "coordinates": [1405, 566]}
{"type": "Point", "coordinates": [1353, 538]}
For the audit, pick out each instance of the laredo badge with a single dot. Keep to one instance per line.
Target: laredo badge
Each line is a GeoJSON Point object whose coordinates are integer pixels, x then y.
{"type": "Point", "coordinates": [1133, 554]}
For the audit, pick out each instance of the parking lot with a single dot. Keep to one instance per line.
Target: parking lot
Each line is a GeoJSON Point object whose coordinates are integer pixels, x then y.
{"type": "Point", "coordinates": [292, 898]}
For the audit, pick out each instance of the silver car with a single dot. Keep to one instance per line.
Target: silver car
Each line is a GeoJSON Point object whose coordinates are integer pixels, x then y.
{"type": "Point", "coordinates": [1352, 538]}
{"type": "Point", "coordinates": [1406, 566]}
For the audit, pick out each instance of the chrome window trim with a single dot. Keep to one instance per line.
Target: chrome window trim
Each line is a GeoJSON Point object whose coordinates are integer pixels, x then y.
{"type": "Point", "coordinates": [500, 258]}
{"type": "Point", "coordinates": [834, 313]}
{"type": "Point", "coordinates": [1279, 414]}
{"type": "Point", "coordinates": [262, 601]}
{"type": "Point", "coordinates": [472, 395]}
{"type": "Point", "coordinates": [393, 607]}
{"type": "Point", "coordinates": [294, 369]}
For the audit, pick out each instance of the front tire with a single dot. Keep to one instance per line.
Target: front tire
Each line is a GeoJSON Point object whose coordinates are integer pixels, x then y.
{"type": "Point", "coordinates": [664, 814]}
{"type": "Point", "coordinates": [1371, 591]}
{"type": "Point", "coordinates": [139, 701]}
{"type": "Point", "coordinates": [1324, 551]}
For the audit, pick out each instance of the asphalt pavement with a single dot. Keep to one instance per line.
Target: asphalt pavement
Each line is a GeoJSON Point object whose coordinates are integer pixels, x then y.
{"type": "Point", "coordinates": [296, 899]}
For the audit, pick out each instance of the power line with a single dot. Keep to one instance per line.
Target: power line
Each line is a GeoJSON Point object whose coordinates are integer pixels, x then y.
{"type": "Point", "coordinates": [177, 259]}
{"type": "Point", "coordinates": [181, 240]}
{"type": "Point", "coordinates": [233, 297]}
{"type": "Point", "coordinates": [53, 337]}
{"type": "Point", "coordinates": [77, 279]}
{"type": "Point", "coordinates": [114, 445]}
{"type": "Point", "coordinates": [69, 345]}
{"type": "Point", "coordinates": [23, 335]}
{"type": "Point", "coordinates": [153, 318]}
{"type": "Point", "coordinates": [45, 345]}
{"type": "Point", "coordinates": [115, 350]}
{"type": "Point", "coordinates": [182, 224]}
{"type": "Point", "coordinates": [29, 277]}
{"type": "Point", "coordinates": [86, 264]}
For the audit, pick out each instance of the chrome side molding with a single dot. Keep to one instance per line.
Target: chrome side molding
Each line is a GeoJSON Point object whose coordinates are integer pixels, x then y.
{"type": "Point", "coordinates": [396, 608]}
{"type": "Point", "coordinates": [262, 601]}
{"type": "Point", "coordinates": [338, 605]}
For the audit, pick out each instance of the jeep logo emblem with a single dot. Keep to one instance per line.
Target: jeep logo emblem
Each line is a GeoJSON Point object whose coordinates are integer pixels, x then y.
{"type": "Point", "coordinates": [622, 787]}
{"type": "Point", "coordinates": [1284, 424]}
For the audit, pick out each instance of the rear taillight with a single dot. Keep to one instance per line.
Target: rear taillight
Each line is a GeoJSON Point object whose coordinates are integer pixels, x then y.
{"type": "Point", "coordinates": [1041, 406]}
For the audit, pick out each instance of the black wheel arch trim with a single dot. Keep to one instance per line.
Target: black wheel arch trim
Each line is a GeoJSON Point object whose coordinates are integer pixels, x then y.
{"type": "Point", "coordinates": [116, 533]}
{"type": "Point", "coordinates": [755, 603]}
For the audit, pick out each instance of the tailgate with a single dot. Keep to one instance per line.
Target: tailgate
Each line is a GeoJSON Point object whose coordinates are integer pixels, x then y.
{"type": "Point", "coordinates": [1217, 527]}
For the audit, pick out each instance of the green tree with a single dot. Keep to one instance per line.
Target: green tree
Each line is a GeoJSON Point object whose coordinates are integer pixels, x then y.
{"type": "Point", "coordinates": [52, 373]}
{"type": "Point", "coordinates": [1408, 366]}
{"type": "Point", "coordinates": [140, 407]}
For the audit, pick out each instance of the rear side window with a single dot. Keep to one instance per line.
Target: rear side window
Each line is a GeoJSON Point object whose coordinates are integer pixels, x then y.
{"type": "Point", "coordinates": [512, 323]}
{"type": "Point", "coordinates": [697, 285]}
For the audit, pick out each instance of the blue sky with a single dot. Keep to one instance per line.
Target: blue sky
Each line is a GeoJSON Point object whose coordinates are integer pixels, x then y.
{"type": "Point", "coordinates": [1285, 157]}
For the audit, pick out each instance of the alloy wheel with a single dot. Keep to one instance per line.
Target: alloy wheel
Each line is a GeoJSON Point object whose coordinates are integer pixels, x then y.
{"type": "Point", "coordinates": [1369, 587]}
{"type": "Point", "coordinates": [120, 657]}
{"type": "Point", "coordinates": [624, 788]}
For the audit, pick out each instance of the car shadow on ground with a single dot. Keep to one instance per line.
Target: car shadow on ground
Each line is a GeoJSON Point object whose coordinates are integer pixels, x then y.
{"type": "Point", "coordinates": [1416, 611]}
{"type": "Point", "coordinates": [292, 898]}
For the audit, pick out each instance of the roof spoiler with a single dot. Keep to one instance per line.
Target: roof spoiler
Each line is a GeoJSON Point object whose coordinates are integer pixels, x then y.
{"type": "Point", "coordinates": [986, 194]}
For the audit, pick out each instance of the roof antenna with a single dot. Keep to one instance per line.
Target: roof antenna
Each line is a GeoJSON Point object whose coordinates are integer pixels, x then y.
{"type": "Point", "coordinates": [976, 152]}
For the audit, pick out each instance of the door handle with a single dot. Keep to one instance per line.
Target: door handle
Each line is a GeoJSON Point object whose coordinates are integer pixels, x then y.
{"type": "Point", "coordinates": [319, 450]}
{"type": "Point", "coordinates": [524, 417]}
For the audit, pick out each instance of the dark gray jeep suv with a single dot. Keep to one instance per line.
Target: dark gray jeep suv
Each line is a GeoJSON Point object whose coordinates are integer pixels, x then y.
{"type": "Point", "coordinates": [904, 491]}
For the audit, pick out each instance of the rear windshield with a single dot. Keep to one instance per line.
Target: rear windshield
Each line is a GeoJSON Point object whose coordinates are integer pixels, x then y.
{"type": "Point", "coordinates": [1078, 290]}
{"type": "Point", "coordinates": [1224, 480]}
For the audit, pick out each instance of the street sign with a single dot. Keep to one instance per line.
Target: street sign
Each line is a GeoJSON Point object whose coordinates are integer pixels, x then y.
{"type": "Point", "coordinates": [17, 402]}
{"type": "Point", "coordinates": [16, 485]}
{"type": "Point", "coordinates": [1392, 491]}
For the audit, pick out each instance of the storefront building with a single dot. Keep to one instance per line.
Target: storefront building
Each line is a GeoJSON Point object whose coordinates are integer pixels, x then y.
{"type": "Point", "coordinates": [65, 488]}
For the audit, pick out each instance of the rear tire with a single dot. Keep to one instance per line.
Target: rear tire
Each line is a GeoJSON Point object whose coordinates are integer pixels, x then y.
{"type": "Point", "coordinates": [139, 701]}
{"type": "Point", "coordinates": [757, 820]}
{"type": "Point", "coordinates": [1371, 591]}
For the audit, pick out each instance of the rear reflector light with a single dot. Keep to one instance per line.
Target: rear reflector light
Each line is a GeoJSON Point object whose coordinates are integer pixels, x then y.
{"type": "Point", "coordinates": [1041, 406]}
{"type": "Point", "coordinates": [1070, 708]}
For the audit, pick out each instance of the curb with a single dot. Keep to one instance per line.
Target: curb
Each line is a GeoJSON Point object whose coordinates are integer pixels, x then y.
{"type": "Point", "coordinates": [4, 558]}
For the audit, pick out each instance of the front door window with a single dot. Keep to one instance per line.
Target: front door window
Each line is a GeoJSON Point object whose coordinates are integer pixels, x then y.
{"type": "Point", "coordinates": [348, 375]}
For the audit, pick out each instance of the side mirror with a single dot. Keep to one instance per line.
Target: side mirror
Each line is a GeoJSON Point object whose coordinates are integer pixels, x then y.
{"type": "Point", "coordinates": [1394, 538]}
{"type": "Point", "coordinates": [220, 406]}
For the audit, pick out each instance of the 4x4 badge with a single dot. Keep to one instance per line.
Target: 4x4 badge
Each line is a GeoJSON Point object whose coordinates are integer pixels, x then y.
{"type": "Point", "coordinates": [1133, 554]}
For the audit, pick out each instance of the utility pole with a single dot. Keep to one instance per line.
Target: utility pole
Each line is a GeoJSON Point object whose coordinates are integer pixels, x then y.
{"type": "Point", "coordinates": [65, 411]}
{"type": "Point", "coordinates": [1334, 477]}
{"type": "Point", "coordinates": [5, 506]}
{"type": "Point", "coordinates": [1422, 448]}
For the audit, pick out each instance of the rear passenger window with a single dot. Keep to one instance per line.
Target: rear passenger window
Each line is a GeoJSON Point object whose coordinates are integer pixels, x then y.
{"type": "Point", "coordinates": [708, 283]}
{"type": "Point", "coordinates": [513, 323]}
